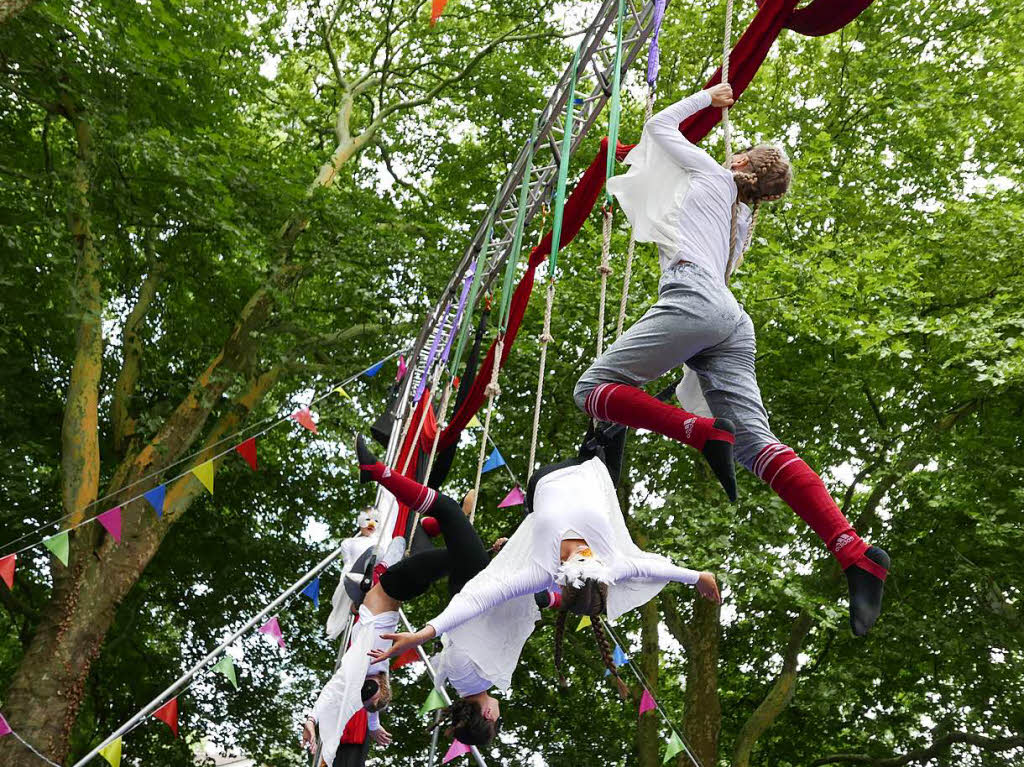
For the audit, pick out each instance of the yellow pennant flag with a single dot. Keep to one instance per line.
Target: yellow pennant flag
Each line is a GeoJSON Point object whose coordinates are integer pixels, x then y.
{"type": "Point", "coordinates": [584, 622]}
{"type": "Point", "coordinates": [473, 423]}
{"type": "Point", "coordinates": [343, 393]}
{"type": "Point", "coordinates": [204, 473]}
{"type": "Point", "coordinates": [112, 753]}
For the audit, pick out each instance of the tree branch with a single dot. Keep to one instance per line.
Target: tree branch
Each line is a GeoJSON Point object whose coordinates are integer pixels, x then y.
{"type": "Point", "coordinates": [925, 754]}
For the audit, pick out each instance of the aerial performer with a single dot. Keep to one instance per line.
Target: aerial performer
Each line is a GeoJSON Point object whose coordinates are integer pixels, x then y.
{"type": "Point", "coordinates": [356, 552]}
{"type": "Point", "coordinates": [677, 196]}
{"type": "Point", "coordinates": [574, 536]}
{"type": "Point", "coordinates": [475, 716]}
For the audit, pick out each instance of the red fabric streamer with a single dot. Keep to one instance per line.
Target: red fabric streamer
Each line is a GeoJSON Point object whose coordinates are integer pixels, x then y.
{"type": "Point", "coordinates": [819, 18]}
{"type": "Point", "coordinates": [407, 447]}
{"type": "Point", "coordinates": [355, 730]}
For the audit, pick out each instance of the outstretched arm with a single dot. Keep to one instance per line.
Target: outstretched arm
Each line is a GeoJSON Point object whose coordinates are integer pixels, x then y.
{"type": "Point", "coordinates": [664, 129]}
{"type": "Point", "coordinates": [663, 570]}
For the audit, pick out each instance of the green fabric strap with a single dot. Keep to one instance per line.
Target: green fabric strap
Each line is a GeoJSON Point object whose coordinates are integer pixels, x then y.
{"type": "Point", "coordinates": [615, 108]}
{"type": "Point", "coordinates": [563, 169]}
{"type": "Point", "coordinates": [517, 238]}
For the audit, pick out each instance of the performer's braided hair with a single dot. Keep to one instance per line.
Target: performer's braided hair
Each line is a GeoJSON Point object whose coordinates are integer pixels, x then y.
{"type": "Point", "coordinates": [468, 723]}
{"type": "Point", "coordinates": [589, 599]}
{"type": "Point", "coordinates": [768, 177]}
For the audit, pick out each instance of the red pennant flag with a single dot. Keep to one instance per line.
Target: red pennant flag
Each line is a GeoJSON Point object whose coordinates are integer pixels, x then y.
{"type": "Point", "coordinates": [248, 451]}
{"type": "Point", "coordinates": [168, 714]}
{"type": "Point", "coordinates": [409, 656]}
{"type": "Point", "coordinates": [7, 570]}
{"type": "Point", "coordinates": [436, 10]}
{"type": "Point", "coordinates": [305, 419]}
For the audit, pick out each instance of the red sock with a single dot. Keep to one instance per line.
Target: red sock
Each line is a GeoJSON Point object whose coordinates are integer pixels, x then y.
{"type": "Point", "coordinates": [417, 497]}
{"type": "Point", "coordinates": [800, 487]}
{"type": "Point", "coordinates": [430, 526]}
{"type": "Point", "coordinates": [378, 570]}
{"type": "Point", "coordinates": [634, 407]}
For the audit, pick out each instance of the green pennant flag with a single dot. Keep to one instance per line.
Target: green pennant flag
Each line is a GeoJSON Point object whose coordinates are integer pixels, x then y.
{"type": "Point", "coordinates": [227, 667]}
{"type": "Point", "coordinates": [434, 702]}
{"type": "Point", "coordinates": [675, 745]}
{"type": "Point", "coordinates": [58, 544]}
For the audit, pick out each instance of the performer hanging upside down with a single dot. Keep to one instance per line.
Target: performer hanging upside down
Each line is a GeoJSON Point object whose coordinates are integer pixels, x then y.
{"type": "Point", "coordinates": [574, 536]}
{"type": "Point", "coordinates": [475, 716]}
{"type": "Point", "coordinates": [356, 551]}
{"type": "Point", "coordinates": [677, 196]}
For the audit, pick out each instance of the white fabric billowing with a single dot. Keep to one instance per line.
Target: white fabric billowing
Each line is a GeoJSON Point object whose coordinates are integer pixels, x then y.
{"type": "Point", "coordinates": [341, 696]}
{"type": "Point", "coordinates": [341, 604]}
{"type": "Point", "coordinates": [581, 498]}
{"type": "Point", "coordinates": [691, 396]}
{"type": "Point", "coordinates": [455, 664]}
{"type": "Point", "coordinates": [675, 194]}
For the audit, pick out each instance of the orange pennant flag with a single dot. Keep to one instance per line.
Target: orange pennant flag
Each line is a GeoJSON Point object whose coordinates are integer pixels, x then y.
{"type": "Point", "coordinates": [436, 10]}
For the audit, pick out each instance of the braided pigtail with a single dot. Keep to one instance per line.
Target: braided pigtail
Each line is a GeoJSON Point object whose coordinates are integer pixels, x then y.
{"type": "Point", "coordinates": [559, 637]}
{"type": "Point", "coordinates": [606, 653]}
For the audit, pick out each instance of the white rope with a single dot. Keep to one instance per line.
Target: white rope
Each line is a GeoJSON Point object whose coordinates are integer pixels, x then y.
{"type": "Point", "coordinates": [493, 392]}
{"type": "Point", "coordinates": [605, 270]}
{"type": "Point", "coordinates": [544, 339]}
{"type": "Point", "coordinates": [727, 139]}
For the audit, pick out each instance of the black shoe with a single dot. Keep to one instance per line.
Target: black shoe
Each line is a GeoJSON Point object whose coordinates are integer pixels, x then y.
{"type": "Point", "coordinates": [718, 454]}
{"type": "Point", "coordinates": [366, 458]}
{"type": "Point", "coordinates": [866, 592]}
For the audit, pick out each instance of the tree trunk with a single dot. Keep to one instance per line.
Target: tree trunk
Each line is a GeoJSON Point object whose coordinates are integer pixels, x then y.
{"type": "Point", "coordinates": [703, 709]}
{"type": "Point", "coordinates": [648, 735]}
{"type": "Point", "coordinates": [11, 8]}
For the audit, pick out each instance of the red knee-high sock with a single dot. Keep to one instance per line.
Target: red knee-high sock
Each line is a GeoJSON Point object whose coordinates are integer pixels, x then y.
{"type": "Point", "coordinates": [800, 487]}
{"type": "Point", "coordinates": [417, 497]}
{"type": "Point", "coordinates": [634, 407]}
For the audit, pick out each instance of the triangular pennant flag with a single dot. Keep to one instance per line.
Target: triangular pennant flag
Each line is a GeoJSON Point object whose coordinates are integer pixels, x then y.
{"type": "Point", "coordinates": [409, 656]}
{"type": "Point", "coordinates": [112, 753]}
{"type": "Point", "coordinates": [371, 371]}
{"type": "Point", "coordinates": [432, 703]}
{"type": "Point", "coordinates": [58, 544]}
{"type": "Point", "coordinates": [402, 367]}
{"type": "Point", "coordinates": [168, 714]}
{"type": "Point", "coordinates": [111, 521]}
{"type": "Point", "coordinates": [304, 418]}
{"type": "Point", "coordinates": [342, 392]}
{"type": "Point", "coordinates": [456, 750]}
{"type": "Point", "coordinates": [5, 729]}
{"type": "Point", "coordinates": [248, 451]}
{"type": "Point", "coordinates": [584, 622]}
{"type": "Point", "coordinates": [514, 498]}
{"type": "Point", "coordinates": [273, 629]}
{"type": "Point", "coordinates": [646, 702]}
{"type": "Point", "coordinates": [227, 667]}
{"type": "Point", "coordinates": [436, 9]}
{"type": "Point", "coordinates": [474, 422]}
{"type": "Point", "coordinates": [7, 569]}
{"type": "Point", "coordinates": [494, 460]}
{"type": "Point", "coordinates": [204, 473]}
{"type": "Point", "coordinates": [675, 745]}
{"type": "Point", "coordinates": [619, 657]}
{"type": "Point", "coordinates": [312, 591]}
{"type": "Point", "coordinates": [156, 498]}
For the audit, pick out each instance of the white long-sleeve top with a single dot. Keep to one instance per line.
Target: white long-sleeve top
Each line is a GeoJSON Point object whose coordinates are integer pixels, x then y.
{"type": "Point", "coordinates": [341, 605]}
{"type": "Point", "coordinates": [341, 696]}
{"type": "Point", "coordinates": [675, 194]}
{"type": "Point", "coordinates": [581, 499]}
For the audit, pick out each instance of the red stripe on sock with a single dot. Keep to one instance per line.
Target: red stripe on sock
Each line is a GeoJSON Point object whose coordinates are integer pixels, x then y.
{"type": "Point", "coordinates": [872, 567]}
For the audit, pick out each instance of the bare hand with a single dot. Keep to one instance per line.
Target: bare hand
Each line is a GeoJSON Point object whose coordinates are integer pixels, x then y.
{"type": "Point", "coordinates": [721, 95]}
{"type": "Point", "coordinates": [498, 544]}
{"type": "Point", "coordinates": [401, 643]}
{"type": "Point", "coordinates": [381, 737]}
{"type": "Point", "coordinates": [309, 735]}
{"type": "Point", "coordinates": [708, 589]}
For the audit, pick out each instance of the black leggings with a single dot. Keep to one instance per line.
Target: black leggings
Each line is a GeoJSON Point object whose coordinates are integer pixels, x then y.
{"type": "Point", "coordinates": [463, 558]}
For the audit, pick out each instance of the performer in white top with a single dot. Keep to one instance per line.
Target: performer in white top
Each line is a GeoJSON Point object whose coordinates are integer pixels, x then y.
{"type": "Point", "coordinates": [575, 537]}
{"type": "Point", "coordinates": [354, 557]}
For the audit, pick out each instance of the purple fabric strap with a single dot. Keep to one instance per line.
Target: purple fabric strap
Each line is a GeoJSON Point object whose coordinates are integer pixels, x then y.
{"type": "Point", "coordinates": [458, 315]}
{"type": "Point", "coordinates": [422, 385]}
{"type": "Point", "coordinates": [654, 56]}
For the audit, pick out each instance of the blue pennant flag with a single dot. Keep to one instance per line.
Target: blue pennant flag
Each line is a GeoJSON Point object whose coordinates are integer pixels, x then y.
{"type": "Point", "coordinates": [494, 460]}
{"type": "Point", "coordinates": [156, 499]}
{"type": "Point", "coordinates": [618, 658]}
{"type": "Point", "coordinates": [312, 591]}
{"type": "Point", "coordinates": [371, 371]}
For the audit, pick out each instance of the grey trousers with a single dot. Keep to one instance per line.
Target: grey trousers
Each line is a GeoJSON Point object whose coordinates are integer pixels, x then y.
{"type": "Point", "coordinates": [696, 321]}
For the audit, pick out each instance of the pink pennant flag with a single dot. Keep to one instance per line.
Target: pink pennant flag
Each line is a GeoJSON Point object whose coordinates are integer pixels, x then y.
{"type": "Point", "coordinates": [402, 367]}
{"type": "Point", "coordinates": [111, 521]}
{"type": "Point", "coordinates": [273, 629]}
{"type": "Point", "coordinates": [5, 729]}
{"type": "Point", "coordinates": [646, 702]}
{"type": "Point", "coordinates": [457, 749]}
{"type": "Point", "coordinates": [304, 418]}
{"type": "Point", "coordinates": [7, 569]}
{"type": "Point", "coordinates": [514, 498]}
